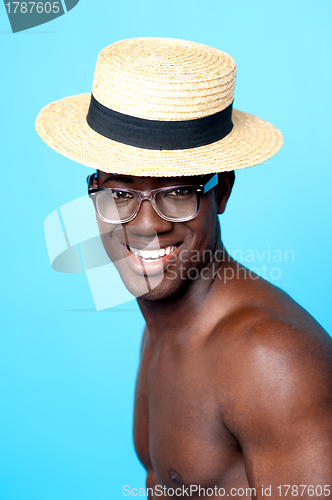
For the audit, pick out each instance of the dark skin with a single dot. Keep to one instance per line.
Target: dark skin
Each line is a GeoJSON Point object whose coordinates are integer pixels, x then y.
{"type": "Point", "coordinates": [234, 388]}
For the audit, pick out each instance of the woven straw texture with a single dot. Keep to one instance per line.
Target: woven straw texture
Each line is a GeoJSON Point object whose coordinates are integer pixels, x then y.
{"type": "Point", "coordinates": [159, 79]}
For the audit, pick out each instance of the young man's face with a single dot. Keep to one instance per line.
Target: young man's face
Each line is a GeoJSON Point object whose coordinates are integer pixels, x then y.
{"type": "Point", "coordinates": [183, 247]}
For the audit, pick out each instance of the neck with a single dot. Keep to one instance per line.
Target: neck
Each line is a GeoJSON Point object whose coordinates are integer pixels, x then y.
{"type": "Point", "coordinates": [191, 306]}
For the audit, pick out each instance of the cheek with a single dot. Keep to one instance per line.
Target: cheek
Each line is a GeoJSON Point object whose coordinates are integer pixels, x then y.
{"type": "Point", "coordinates": [205, 225]}
{"type": "Point", "coordinates": [111, 235]}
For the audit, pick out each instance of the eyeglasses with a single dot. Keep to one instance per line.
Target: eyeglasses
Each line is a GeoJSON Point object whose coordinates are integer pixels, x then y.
{"type": "Point", "coordinates": [173, 203]}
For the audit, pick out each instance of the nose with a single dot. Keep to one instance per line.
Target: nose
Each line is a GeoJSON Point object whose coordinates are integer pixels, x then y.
{"type": "Point", "coordinates": [148, 222]}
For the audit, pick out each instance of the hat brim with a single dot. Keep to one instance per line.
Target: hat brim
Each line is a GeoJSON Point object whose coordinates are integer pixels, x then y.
{"type": "Point", "coordinates": [62, 125]}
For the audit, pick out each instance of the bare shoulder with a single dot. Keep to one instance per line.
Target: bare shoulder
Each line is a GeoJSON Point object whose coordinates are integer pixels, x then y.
{"type": "Point", "coordinates": [279, 365]}
{"type": "Point", "coordinates": [272, 322]}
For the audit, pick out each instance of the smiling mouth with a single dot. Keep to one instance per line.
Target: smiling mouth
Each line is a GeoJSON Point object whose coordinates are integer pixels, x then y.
{"type": "Point", "coordinates": [152, 255]}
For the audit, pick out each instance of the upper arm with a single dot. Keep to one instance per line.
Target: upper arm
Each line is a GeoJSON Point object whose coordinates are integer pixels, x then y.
{"type": "Point", "coordinates": [282, 413]}
{"type": "Point", "coordinates": [141, 418]}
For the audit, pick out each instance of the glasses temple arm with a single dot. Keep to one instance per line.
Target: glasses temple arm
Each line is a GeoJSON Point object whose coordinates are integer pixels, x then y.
{"type": "Point", "coordinates": [89, 180]}
{"type": "Point", "coordinates": [211, 183]}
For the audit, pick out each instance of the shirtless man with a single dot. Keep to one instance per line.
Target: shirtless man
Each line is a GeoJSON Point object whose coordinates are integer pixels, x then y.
{"type": "Point", "coordinates": [234, 390]}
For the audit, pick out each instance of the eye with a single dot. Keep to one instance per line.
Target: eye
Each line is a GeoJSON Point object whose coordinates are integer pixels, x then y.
{"type": "Point", "coordinates": [121, 195]}
{"type": "Point", "coordinates": [178, 192]}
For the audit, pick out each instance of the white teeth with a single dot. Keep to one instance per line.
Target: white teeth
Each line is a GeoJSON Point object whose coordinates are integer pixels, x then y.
{"type": "Point", "coordinates": [149, 255]}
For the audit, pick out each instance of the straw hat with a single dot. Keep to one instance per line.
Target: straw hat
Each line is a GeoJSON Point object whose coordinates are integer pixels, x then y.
{"type": "Point", "coordinates": [159, 107]}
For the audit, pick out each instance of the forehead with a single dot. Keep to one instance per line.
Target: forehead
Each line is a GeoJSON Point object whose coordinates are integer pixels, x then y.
{"type": "Point", "coordinates": [148, 182]}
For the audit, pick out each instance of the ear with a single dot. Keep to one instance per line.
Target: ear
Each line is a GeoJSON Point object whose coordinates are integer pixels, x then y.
{"type": "Point", "coordinates": [224, 189]}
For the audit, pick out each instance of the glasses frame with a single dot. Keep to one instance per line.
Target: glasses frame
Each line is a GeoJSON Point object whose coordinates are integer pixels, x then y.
{"type": "Point", "coordinates": [150, 195]}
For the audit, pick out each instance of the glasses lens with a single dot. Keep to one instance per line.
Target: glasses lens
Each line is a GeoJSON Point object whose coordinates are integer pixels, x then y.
{"type": "Point", "coordinates": [177, 203]}
{"type": "Point", "coordinates": [116, 204]}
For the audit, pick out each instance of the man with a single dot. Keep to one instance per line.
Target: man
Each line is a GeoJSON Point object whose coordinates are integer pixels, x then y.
{"type": "Point", "coordinates": [234, 390]}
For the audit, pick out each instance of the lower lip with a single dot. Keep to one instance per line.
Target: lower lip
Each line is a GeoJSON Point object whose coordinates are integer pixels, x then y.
{"type": "Point", "coordinates": [150, 268]}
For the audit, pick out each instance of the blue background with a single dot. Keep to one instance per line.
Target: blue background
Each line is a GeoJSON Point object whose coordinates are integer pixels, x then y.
{"type": "Point", "coordinates": [67, 372]}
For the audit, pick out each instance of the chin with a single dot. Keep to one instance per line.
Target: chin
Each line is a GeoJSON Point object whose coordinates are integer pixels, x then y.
{"type": "Point", "coordinates": [165, 293]}
{"type": "Point", "coordinates": [168, 290]}
{"type": "Point", "coordinates": [152, 288]}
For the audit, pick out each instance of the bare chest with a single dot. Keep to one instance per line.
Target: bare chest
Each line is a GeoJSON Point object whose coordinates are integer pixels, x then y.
{"type": "Point", "coordinates": [178, 425]}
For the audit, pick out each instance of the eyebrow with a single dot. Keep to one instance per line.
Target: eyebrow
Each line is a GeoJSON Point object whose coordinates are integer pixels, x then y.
{"type": "Point", "coordinates": [118, 178]}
